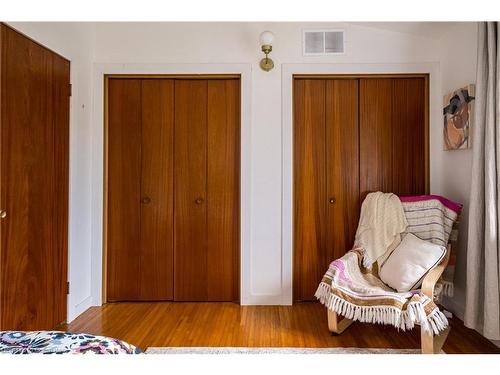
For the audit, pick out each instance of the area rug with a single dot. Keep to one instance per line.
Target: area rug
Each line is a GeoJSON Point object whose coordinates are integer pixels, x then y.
{"type": "Point", "coordinates": [242, 350]}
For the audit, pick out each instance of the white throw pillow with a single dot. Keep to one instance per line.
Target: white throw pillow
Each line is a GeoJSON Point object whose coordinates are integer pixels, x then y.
{"type": "Point", "coordinates": [406, 267]}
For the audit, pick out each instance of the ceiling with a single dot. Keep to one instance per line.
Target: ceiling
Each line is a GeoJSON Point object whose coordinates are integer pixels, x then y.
{"type": "Point", "coordinates": [426, 29]}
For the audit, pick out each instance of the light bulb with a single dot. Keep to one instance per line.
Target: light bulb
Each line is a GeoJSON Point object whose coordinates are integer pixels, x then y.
{"type": "Point", "coordinates": [266, 38]}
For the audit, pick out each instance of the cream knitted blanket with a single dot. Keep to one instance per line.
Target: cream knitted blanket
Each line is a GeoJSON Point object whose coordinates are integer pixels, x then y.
{"type": "Point", "coordinates": [381, 222]}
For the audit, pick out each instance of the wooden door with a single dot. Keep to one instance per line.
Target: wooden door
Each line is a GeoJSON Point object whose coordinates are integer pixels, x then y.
{"type": "Point", "coordinates": [342, 165]}
{"type": "Point", "coordinates": [206, 190]}
{"type": "Point", "coordinates": [173, 189]}
{"type": "Point", "coordinates": [140, 189]}
{"type": "Point", "coordinates": [310, 190]}
{"type": "Point", "coordinates": [34, 184]}
{"type": "Point", "coordinates": [352, 136]}
{"type": "Point", "coordinates": [326, 177]}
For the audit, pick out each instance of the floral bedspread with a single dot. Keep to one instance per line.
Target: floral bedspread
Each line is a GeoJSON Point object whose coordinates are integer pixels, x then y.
{"type": "Point", "coordinates": [57, 342]}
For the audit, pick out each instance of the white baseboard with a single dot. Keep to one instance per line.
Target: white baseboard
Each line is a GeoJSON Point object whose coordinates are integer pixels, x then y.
{"type": "Point", "coordinates": [262, 299]}
{"type": "Point", "coordinates": [79, 308]}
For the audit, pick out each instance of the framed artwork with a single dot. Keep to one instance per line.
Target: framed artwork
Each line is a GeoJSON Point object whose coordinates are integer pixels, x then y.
{"type": "Point", "coordinates": [458, 114]}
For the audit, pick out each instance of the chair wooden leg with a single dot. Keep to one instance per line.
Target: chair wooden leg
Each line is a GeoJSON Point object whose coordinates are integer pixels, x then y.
{"type": "Point", "coordinates": [432, 344]}
{"type": "Point", "coordinates": [335, 325]}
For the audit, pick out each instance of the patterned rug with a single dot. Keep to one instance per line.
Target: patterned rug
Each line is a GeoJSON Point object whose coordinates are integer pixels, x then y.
{"type": "Point", "coordinates": [237, 350]}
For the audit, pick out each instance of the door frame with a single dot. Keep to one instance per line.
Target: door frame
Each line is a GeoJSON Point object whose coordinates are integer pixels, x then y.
{"type": "Point", "coordinates": [105, 166]}
{"type": "Point", "coordinates": [429, 71]}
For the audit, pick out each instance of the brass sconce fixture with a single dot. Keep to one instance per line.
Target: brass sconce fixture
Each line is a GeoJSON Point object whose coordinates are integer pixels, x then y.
{"type": "Point", "coordinates": [266, 39]}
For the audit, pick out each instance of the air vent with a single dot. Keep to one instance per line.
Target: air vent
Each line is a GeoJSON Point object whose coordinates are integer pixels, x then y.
{"type": "Point", "coordinates": [323, 42]}
{"type": "Point", "coordinates": [314, 42]}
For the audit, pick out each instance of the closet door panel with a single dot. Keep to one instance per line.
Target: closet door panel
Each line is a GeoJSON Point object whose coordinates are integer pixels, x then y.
{"type": "Point", "coordinates": [124, 189]}
{"type": "Point", "coordinates": [157, 190]}
{"type": "Point", "coordinates": [310, 258]}
{"type": "Point", "coordinates": [223, 190]}
{"type": "Point", "coordinates": [342, 166]}
{"type": "Point", "coordinates": [408, 138]}
{"type": "Point", "coordinates": [190, 186]}
{"type": "Point", "coordinates": [376, 154]}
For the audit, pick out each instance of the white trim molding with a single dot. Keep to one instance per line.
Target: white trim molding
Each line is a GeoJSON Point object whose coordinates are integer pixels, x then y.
{"type": "Point", "coordinates": [101, 69]}
{"type": "Point", "coordinates": [287, 71]}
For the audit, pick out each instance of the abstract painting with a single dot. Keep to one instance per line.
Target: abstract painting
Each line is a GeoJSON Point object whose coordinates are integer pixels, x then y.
{"type": "Point", "coordinates": [458, 112]}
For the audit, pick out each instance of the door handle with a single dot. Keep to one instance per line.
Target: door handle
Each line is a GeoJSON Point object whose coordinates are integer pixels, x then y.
{"type": "Point", "coordinates": [3, 214]}
{"type": "Point", "coordinates": [333, 200]}
{"type": "Point", "coordinates": [199, 201]}
{"type": "Point", "coordinates": [146, 200]}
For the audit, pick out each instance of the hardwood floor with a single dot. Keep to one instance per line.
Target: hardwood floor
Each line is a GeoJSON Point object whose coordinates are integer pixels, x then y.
{"type": "Point", "coordinates": [226, 324]}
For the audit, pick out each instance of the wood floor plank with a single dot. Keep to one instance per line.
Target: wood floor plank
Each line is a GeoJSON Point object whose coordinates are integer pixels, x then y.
{"type": "Point", "coordinates": [148, 324]}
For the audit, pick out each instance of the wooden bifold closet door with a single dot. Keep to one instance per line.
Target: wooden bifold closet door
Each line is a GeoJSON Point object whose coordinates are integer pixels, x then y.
{"type": "Point", "coordinates": [351, 136]}
{"type": "Point", "coordinates": [173, 189]}
{"type": "Point", "coordinates": [34, 148]}
{"type": "Point", "coordinates": [140, 189]}
{"type": "Point", "coordinates": [326, 165]}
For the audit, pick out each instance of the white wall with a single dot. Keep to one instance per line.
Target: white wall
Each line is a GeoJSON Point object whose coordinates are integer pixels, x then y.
{"type": "Point", "coordinates": [458, 48]}
{"type": "Point", "coordinates": [74, 41]}
{"type": "Point", "coordinates": [231, 43]}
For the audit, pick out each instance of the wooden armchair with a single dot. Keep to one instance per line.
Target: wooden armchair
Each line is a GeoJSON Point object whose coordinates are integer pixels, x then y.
{"type": "Point", "coordinates": [430, 343]}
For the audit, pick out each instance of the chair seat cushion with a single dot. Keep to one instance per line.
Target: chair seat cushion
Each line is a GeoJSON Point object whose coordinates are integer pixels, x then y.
{"type": "Point", "coordinates": [410, 261]}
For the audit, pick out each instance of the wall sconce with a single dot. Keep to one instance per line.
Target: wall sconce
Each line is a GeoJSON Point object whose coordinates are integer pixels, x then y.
{"type": "Point", "coordinates": [266, 39]}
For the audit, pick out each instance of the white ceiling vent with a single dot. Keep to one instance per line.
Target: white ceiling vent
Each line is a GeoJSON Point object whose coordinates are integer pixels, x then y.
{"type": "Point", "coordinates": [323, 42]}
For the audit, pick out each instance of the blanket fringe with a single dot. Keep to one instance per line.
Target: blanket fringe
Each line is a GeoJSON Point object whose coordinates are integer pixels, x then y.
{"type": "Point", "coordinates": [367, 262]}
{"type": "Point", "coordinates": [414, 313]}
{"type": "Point", "coordinates": [447, 288]}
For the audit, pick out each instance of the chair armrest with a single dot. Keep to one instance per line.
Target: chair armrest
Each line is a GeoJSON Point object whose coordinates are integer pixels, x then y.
{"type": "Point", "coordinates": [433, 275]}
